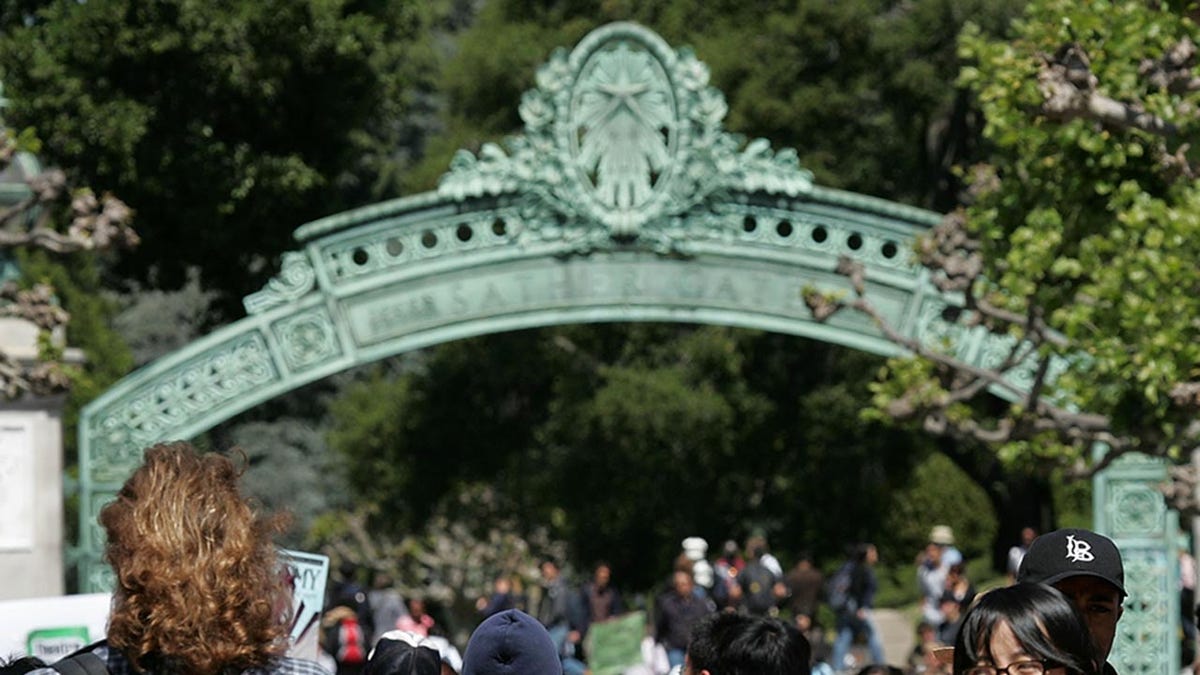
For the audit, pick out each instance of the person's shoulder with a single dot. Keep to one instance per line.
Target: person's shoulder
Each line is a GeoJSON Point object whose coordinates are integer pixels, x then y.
{"type": "Point", "coordinates": [1108, 669]}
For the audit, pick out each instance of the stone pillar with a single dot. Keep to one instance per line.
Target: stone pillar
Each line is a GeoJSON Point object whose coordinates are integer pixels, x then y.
{"type": "Point", "coordinates": [31, 487]}
{"type": "Point", "coordinates": [1130, 508]}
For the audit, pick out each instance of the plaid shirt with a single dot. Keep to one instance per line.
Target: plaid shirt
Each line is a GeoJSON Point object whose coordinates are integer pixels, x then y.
{"type": "Point", "coordinates": [119, 665]}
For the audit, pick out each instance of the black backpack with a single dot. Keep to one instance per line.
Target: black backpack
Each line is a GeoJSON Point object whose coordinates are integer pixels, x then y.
{"type": "Point", "coordinates": [838, 591]}
{"type": "Point", "coordinates": [758, 586]}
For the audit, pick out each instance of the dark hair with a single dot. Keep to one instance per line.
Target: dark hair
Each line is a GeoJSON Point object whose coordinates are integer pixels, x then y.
{"type": "Point", "coordinates": [860, 551]}
{"type": "Point", "coordinates": [737, 644]}
{"type": "Point", "coordinates": [397, 657]}
{"type": "Point", "coordinates": [1042, 620]}
{"type": "Point", "coordinates": [19, 665]}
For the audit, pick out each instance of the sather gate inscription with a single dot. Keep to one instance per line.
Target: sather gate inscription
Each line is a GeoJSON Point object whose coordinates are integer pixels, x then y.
{"type": "Point", "coordinates": [624, 199]}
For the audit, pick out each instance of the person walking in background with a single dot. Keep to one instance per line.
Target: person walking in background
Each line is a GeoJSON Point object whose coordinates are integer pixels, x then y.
{"type": "Point", "coordinates": [762, 588]}
{"type": "Point", "coordinates": [387, 606]}
{"type": "Point", "coordinates": [952, 611]}
{"type": "Point", "coordinates": [1017, 553]}
{"type": "Point", "coordinates": [959, 586]}
{"type": "Point", "coordinates": [923, 658]}
{"type": "Point", "coordinates": [759, 543]}
{"type": "Point", "coordinates": [804, 584]}
{"type": "Point", "coordinates": [854, 615]}
{"type": "Point", "coordinates": [932, 571]}
{"type": "Point", "coordinates": [679, 611]}
{"type": "Point", "coordinates": [943, 536]}
{"type": "Point", "coordinates": [502, 598]}
{"type": "Point", "coordinates": [696, 550]}
{"type": "Point", "coordinates": [417, 620]}
{"type": "Point", "coordinates": [600, 600]}
{"type": "Point", "coordinates": [348, 592]}
{"type": "Point", "coordinates": [198, 587]}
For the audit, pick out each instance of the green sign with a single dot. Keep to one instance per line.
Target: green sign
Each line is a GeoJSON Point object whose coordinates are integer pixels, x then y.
{"type": "Point", "coordinates": [616, 644]}
{"type": "Point", "coordinates": [52, 644]}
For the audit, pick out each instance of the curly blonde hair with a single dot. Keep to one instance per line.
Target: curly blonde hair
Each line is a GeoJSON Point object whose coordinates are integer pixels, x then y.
{"type": "Point", "coordinates": [198, 587]}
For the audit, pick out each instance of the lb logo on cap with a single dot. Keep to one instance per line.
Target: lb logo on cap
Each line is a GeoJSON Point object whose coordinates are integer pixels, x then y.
{"type": "Point", "coordinates": [1078, 550]}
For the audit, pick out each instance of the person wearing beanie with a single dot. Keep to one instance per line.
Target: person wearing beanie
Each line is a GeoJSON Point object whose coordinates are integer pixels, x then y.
{"type": "Point", "coordinates": [1087, 568]}
{"type": "Point", "coordinates": [511, 643]}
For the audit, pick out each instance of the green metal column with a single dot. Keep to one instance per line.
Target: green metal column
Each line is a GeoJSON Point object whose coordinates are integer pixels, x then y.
{"type": "Point", "coordinates": [1130, 509]}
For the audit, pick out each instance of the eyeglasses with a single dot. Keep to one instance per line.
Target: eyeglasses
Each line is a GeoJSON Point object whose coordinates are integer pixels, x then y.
{"type": "Point", "coordinates": [1014, 668]}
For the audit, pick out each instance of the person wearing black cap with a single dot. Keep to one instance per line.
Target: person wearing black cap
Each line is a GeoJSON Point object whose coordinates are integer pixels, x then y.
{"type": "Point", "coordinates": [1087, 568]}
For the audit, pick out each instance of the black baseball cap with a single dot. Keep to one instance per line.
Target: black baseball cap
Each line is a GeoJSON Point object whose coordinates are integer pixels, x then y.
{"type": "Point", "coordinates": [1061, 554]}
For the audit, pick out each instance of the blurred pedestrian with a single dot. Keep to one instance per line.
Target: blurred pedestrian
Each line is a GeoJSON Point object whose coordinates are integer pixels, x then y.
{"type": "Point", "coordinates": [855, 617]}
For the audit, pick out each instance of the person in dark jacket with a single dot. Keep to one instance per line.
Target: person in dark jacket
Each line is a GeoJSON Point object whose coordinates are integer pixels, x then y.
{"type": "Point", "coordinates": [856, 618]}
{"type": "Point", "coordinates": [678, 612]}
{"type": "Point", "coordinates": [599, 600]}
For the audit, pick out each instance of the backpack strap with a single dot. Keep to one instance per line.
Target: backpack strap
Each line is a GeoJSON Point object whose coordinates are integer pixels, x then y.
{"type": "Point", "coordinates": [81, 663]}
{"type": "Point", "coordinates": [86, 663]}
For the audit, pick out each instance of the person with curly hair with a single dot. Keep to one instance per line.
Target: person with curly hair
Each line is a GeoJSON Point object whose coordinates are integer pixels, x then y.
{"type": "Point", "coordinates": [198, 588]}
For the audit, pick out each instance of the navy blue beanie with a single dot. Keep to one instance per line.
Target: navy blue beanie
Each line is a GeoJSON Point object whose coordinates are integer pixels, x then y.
{"type": "Point", "coordinates": [511, 643]}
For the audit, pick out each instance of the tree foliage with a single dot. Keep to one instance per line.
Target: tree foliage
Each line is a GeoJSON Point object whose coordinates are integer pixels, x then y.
{"type": "Point", "coordinates": [588, 430]}
{"type": "Point", "coordinates": [1077, 243]}
{"type": "Point", "coordinates": [224, 125]}
{"type": "Point", "coordinates": [862, 89]}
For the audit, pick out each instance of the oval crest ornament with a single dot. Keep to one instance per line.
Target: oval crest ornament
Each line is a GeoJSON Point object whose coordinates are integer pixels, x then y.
{"type": "Point", "coordinates": [623, 132]}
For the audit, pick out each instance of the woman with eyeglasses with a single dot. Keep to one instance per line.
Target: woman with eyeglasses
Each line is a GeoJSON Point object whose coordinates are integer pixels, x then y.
{"type": "Point", "coordinates": [1026, 629]}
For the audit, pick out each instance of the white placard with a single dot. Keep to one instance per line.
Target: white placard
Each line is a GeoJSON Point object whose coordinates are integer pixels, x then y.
{"type": "Point", "coordinates": [21, 620]}
{"type": "Point", "coordinates": [16, 484]}
{"type": "Point", "coordinates": [307, 573]}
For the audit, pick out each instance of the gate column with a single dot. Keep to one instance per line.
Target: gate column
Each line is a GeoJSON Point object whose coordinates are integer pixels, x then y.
{"type": "Point", "coordinates": [1129, 508]}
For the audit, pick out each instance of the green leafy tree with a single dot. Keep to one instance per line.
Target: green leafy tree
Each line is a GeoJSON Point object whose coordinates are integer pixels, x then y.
{"type": "Point", "coordinates": [587, 429]}
{"type": "Point", "coordinates": [863, 89]}
{"type": "Point", "coordinates": [224, 125]}
{"type": "Point", "coordinates": [1078, 243]}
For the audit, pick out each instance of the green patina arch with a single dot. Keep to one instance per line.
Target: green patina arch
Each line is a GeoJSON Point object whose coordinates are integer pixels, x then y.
{"type": "Point", "coordinates": [623, 200]}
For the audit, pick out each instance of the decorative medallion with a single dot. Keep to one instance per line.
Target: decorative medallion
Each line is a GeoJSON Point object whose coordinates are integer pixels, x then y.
{"type": "Point", "coordinates": [620, 135]}
{"type": "Point", "coordinates": [307, 339]}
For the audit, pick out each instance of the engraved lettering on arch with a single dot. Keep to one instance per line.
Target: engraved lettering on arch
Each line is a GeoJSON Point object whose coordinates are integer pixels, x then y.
{"type": "Point", "coordinates": [492, 297]}
{"type": "Point", "coordinates": [725, 289]}
{"type": "Point", "coordinates": [631, 284]}
{"type": "Point", "coordinates": [458, 300]}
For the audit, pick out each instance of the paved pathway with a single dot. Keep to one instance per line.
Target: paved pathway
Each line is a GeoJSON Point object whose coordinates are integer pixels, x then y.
{"type": "Point", "coordinates": [898, 633]}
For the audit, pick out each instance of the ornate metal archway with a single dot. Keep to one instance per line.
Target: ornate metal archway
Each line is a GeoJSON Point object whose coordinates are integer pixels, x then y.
{"type": "Point", "coordinates": [623, 200]}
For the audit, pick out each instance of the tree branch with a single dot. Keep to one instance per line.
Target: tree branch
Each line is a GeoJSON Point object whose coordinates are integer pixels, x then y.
{"type": "Point", "coordinates": [1069, 88]}
{"type": "Point", "coordinates": [1036, 416]}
